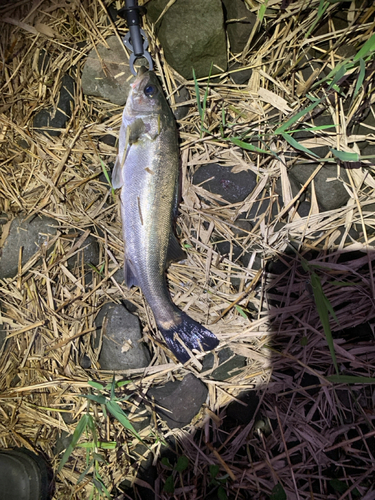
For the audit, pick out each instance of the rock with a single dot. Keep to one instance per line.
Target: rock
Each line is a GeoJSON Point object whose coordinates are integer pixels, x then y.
{"type": "Point", "coordinates": [90, 251]}
{"type": "Point", "coordinates": [330, 195]}
{"type": "Point", "coordinates": [239, 76]}
{"type": "Point", "coordinates": [192, 35]}
{"type": "Point", "coordinates": [52, 121]}
{"type": "Point", "coordinates": [31, 235]}
{"type": "Point", "coordinates": [232, 187]}
{"type": "Point", "coordinates": [238, 31]}
{"type": "Point", "coordinates": [304, 208]}
{"type": "Point", "coordinates": [122, 348]}
{"type": "Point", "coordinates": [178, 402]}
{"type": "Point", "coordinates": [114, 83]}
{"type": "Point", "coordinates": [295, 187]}
{"type": "Point", "coordinates": [230, 364]}
{"type": "Point", "coordinates": [181, 95]}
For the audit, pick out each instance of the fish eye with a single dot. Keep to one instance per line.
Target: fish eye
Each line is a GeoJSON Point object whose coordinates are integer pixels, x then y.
{"type": "Point", "coordinates": [150, 90]}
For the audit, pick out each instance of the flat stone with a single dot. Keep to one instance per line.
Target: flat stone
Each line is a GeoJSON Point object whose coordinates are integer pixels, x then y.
{"type": "Point", "coordinates": [221, 180]}
{"type": "Point", "coordinates": [179, 401]}
{"type": "Point", "coordinates": [53, 121]}
{"type": "Point", "coordinates": [112, 84]}
{"type": "Point", "coordinates": [31, 235]}
{"type": "Point", "coordinates": [122, 346]}
{"type": "Point", "coordinates": [192, 35]}
{"type": "Point", "coordinates": [240, 30]}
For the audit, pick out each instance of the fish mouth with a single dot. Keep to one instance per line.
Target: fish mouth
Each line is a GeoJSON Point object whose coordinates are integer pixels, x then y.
{"type": "Point", "coordinates": [143, 70]}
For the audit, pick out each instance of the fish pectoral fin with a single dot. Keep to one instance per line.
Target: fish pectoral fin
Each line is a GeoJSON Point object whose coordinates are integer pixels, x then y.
{"type": "Point", "coordinates": [130, 278]}
{"type": "Point", "coordinates": [174, 252]}
{"type": "Point", "coordinates": [133, 133]}
{"type": "Point", "coordinates": [117, 180]}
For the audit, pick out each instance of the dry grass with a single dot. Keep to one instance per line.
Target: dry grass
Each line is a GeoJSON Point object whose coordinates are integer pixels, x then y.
{"type": "Point", "coordinates": [319, 433]}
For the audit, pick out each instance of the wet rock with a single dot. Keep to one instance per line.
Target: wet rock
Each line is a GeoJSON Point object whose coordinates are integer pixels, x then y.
{"type": "Point", "coordinates": [220, 180]}
{"type": "Point", "coordinates": [330, 194]}
{"type": "Point", "coordinates": [122, 348]}
{"type": "Point", "coordinates": [53, 121]}
{"type": "Point", "coordinates": [29, 234]}
{"type": "Point", "coordinates": [230, 364]}
{"type": "Point", "coordinates": [192, 35]}
{"type": "Point", "coordinates": [240, 30]}
{"type": "Point", "coordinates": [178, 402]}
{"type": "Point", "coordinates": [112, 84]}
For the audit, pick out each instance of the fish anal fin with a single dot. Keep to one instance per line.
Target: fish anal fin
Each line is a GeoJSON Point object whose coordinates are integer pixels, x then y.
{"type": "Point", "coordinates": [175, 252]}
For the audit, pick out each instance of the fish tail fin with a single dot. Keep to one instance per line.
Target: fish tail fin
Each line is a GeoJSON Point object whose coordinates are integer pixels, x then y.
{"type": "Point", "coordinates": [192, 334]}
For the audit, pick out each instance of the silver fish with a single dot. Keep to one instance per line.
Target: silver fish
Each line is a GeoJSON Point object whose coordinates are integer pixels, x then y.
{"type": "Point", "coordinates": [147, 169]}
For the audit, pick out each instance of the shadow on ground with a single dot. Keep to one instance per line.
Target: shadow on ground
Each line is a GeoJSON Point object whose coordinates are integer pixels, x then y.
{"type": "Point", "coordinates": [304, 435]}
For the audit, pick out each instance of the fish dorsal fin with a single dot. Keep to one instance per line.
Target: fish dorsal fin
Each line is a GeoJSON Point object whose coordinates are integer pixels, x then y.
{"type": "Point", "coordinates": [175, 252]}
{"type": "Point", "coordinates": [132, 134]}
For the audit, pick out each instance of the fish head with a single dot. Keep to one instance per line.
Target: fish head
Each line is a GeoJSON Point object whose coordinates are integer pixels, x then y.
{"type": "Point", "coordinates": [146, 95]}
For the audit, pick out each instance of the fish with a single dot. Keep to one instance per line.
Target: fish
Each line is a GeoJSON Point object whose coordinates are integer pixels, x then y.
{"type": "Point", "coordinates": [147, 171]}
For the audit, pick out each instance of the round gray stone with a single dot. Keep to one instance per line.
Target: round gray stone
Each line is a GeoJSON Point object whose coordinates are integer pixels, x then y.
{"type": "Point", "coordinates": [122, 348]}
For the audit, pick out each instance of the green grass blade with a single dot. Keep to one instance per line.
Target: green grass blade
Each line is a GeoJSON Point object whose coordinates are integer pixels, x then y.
{"type": "Point", "coordinates": [344, 156]}
{"type": "Point", "coordinates": [120, 415]}
{"type": "Point", "coordinates": [291, 140]}
{"type": "Point", "coordinates": [262, 10]}
{"type": "Point", "coordinates": [96, 385]}
{"type": "Point", "coordinates": [98, 399]}
{"type": "Point", "coordinates": [106, 175]}
{"type": "Point", "coordinates": [323, 6]}
{"type": "Point", "coordinates": [79, 430]}
{"type": "Point", "coordinates": [85, 472]}
{"type": "Point", "coordinates": [249, 147]}
{"type": "Point", "coordinates": [361, 77]}
{"type": "Point", "coordinates": [368, 47]}
{"type": "Point", "coordinates": [297, 116]}
{"type": "Point", "coordinates": [110, 445]}
{"type": "Point", "coordinates": [323, 306]}
{"type": "Point", "coordinates": [200, 110]}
